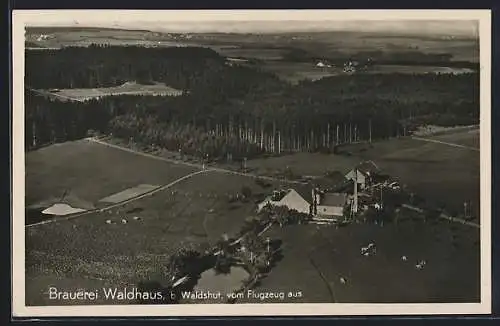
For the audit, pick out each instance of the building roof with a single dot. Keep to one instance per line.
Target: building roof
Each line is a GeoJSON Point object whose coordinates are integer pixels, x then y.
{"type": "Point", "coordinates": [368, 167]}
{"type": "Point", "coordinates": [333, 199]}
{"type": "Point", "coordinates": [305, 191]}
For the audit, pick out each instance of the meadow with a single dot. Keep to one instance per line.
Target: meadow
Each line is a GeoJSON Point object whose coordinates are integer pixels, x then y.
{"type": "Point", "coordinates": [100, 249]}
{"type": "Point", "coordinates": [325, 263]}
{"type": "Point", "coordinates": [470, 138]}
{"type": "Point", "coordinates": [91, 171]}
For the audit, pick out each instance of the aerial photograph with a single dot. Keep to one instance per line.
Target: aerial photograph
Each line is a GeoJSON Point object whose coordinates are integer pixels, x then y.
{"type": "Point", "coordinates": [236, 162]}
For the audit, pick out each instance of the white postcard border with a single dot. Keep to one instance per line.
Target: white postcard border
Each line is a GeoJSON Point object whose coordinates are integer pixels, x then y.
{"type": "Point", "coordinates": [21, 18]}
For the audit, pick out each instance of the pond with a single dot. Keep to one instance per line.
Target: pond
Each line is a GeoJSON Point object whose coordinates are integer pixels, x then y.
{"type": "Point", "coordinates": [211, 281]}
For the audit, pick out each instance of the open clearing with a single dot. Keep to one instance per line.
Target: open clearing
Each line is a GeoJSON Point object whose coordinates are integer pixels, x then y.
{"type": "Point", "coordinates": [315, 258]}
{"type": "Point", "coordinates": [128, 88]}
{"type": "Point", "coordinates": [469, 138]}
{"type": "Point", "coordinates": [89, 172]}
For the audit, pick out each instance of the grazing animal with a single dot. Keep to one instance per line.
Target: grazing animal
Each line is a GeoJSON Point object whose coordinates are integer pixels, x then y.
{"type": "Point", "coordinates": [343, 280]}
{"type": "Point", "coordinates": [108, 221]}
{"type": "Point", "coordinates": [124, 221]}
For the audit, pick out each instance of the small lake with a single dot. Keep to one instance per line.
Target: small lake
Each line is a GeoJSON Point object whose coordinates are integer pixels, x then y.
{"type": "Point", "coordinates": [224, 283]}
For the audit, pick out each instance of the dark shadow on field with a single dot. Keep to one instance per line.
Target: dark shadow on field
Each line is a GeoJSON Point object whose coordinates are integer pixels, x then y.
{"type": "Point", "coordinates": [35, 215]}
{"type": "Point", "coordinates": [135, 210]}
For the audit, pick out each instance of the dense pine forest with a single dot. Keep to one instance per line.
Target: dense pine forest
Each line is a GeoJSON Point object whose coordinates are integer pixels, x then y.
{"type": "Point", "coordinates": [229, 109]}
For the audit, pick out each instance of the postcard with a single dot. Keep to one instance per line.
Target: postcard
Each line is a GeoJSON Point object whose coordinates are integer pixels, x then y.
{"type": "Point", "coordinates": [251, 162]}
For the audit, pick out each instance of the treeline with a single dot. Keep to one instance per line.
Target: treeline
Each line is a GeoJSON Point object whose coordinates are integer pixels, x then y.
{"type": "Point", "coordinates": [185, 68]}
{"type": "Point", "coordinates": [242, 112]}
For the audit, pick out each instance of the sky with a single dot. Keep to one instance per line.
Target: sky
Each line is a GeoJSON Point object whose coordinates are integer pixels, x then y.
{"type": "Point", "coordinates": [265, 21]}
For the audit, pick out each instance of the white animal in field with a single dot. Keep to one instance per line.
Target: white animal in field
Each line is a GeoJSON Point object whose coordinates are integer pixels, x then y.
{"type": "Point", "coordinates": [124, 221]}
{"type": "Point", "coordinates": [136, 218]}
{"type": "Point", "coordinates": [108, 222]}
{"type": "Point", "coordinates": [404, 258]}
{"type": "Point", "coordinates": [343, 280]}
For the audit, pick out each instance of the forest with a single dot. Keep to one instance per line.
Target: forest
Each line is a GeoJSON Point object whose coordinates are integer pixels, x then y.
{"type": "Point", "coordinates": [233, 110]}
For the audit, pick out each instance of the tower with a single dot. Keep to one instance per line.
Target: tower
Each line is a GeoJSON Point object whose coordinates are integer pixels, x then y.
{"type": "Point", "coordinates": [355, 198]}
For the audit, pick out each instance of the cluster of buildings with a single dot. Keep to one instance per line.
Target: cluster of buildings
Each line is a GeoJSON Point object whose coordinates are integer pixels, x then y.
{"type": "Point", "coordinates": [327, 199]}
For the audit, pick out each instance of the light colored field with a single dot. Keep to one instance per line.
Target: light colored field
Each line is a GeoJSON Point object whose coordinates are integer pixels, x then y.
{"type": "Point", "coordinates": [469, 138]}
{"type": "Point", "coordinates": [129, 193]}
{"type": "Point", "coordinates": [250, 53]}
{"type": "Point", "coordinates": [129, 88]}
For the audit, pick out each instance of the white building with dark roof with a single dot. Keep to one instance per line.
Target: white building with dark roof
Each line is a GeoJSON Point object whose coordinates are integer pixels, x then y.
{"type": "Point", "coordinates": [331, 204]}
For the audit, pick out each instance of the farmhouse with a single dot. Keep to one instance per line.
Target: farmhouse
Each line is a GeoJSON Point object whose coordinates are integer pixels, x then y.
{"type": "Point", "coordinates": [363, 174]}
{"type": "Point", "coordinates": [308, 200]}
{"type": "Point", "coordinates": [296, 199]}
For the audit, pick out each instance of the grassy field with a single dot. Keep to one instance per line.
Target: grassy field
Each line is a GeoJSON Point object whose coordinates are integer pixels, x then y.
{"type": "Point", "coordinates": [294, 272]}
{"type": "Point", "coordinates": [466, 138]}
{"type": "Point", "coordinates": [385, 277]}
{"type": "Point", "coordinates": [91, 171]}
{"type": "Point", "coordinates": [315, 258]}
{"type": "Point", "coordinates": [304, 164]}
{"type": "Point", "coordinates": [87, 252]}
{"type": "Point", "coordinates": [129, 88]}
{"type": "Point", "coordinates": [253, 53]}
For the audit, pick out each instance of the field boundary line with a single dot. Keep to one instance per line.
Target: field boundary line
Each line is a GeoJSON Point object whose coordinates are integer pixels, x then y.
{"type": "Point", "coordinates": [196, 165]}
{"type": "Point", "coordinates": [446, 143]}
{"type": "Point", "coordinates": [129, 200]}
{"type": "Point", "coordinates": [444, 216]}
{"type": "Point", "coordinates": [46, 93]}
